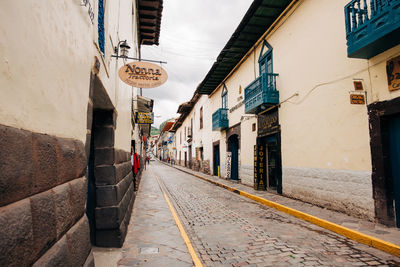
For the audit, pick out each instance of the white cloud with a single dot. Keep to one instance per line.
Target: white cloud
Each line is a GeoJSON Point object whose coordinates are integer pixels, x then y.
{"type": "Point", "coordinates": [192, 35]}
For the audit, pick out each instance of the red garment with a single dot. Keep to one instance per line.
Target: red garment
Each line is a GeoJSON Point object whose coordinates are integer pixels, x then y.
{"type": "Point", "coordinates": [136, 165]}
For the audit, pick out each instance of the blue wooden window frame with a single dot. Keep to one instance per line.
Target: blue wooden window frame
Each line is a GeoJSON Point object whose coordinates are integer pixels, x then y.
{"type": "Point", "coordinates": [224, 97]}
{"type": "Point", "coordinates": [101, 30]}
{"type": "Point", "coordinates": [265, 59]}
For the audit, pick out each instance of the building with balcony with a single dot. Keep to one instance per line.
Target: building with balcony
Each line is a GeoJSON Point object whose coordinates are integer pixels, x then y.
{"type": "Point", "coordinates": [297, 110]}
{"type": "Point", "coordinates": [192, 130]}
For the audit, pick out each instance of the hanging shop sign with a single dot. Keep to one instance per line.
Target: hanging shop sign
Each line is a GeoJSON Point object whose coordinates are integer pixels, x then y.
{"type": "Point", "coordinates": [143, 74]}
{"type": "Point", "coordinates": [143, 118]}
{"type": "Point", "coordinates": [268, 123]}
{"type": "Point", "coordinates": [260, 181]}
{"type": "Point", "coordinates": [393, 73]}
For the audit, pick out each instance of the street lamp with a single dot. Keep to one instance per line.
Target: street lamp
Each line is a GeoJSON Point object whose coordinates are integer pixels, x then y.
{"type": "Point", "coordinates": [124, 47]}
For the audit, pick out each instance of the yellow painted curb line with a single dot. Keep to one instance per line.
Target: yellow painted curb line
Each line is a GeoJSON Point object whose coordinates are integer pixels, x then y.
{"type": "Point", "coordinates": [185, 237]}
{"type": "Point", "coordinates": [341, 230]}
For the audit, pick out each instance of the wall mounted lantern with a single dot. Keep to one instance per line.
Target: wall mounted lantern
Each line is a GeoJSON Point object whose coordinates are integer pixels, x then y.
{"type": "Point", "coordinates": [123, 47]}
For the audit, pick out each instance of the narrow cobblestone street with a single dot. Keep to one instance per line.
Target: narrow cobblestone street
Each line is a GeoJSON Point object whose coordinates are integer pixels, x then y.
{"type": "Point", "coordinates": [225, 229]}
{"type": "Point", "coordinates": [229, 230]}
{"type": "Point", "coordinates": [199, 133]}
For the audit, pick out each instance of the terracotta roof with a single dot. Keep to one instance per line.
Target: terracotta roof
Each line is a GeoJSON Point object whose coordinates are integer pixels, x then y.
{"type": "Point", "coordinates": [167, 126]}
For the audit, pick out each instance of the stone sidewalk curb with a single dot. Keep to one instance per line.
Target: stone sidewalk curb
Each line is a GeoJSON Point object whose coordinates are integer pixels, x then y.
{"type": "Point", "coordinates": [339, 229]}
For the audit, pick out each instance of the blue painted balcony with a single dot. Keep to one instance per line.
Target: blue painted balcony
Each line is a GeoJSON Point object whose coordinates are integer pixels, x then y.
{"type": "Point", "coordinates": [261, 93]}
{"type": "Point", "coordinates": [220, 119]}
{"type": "Point", "coordinates": [372, 27]}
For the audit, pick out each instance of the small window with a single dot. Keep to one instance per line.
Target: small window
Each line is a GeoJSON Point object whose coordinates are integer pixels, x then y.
{"type": "Point", "coordinates": [201, 118]}
{"type": "Point", "coordinates": [224, 97]}
{"type": "Point", "coordinates": [253, 127]}
{"type": "Point", "coordinates": [101, 30]}
{"type": "Point", "coordinates": [265, 59]}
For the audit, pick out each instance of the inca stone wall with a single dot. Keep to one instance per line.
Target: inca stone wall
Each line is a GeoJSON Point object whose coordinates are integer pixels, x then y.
{"type": "Point", "coordinates": [43, 188]}
{"type": "Point", "coordinates": [113, 182]}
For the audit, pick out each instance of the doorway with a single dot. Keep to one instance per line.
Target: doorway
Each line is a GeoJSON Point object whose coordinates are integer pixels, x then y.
{"type": "Point", "coordinates": [190, 156]}
{"type": "Point", "coordinates": [185, 159]}
{"type": "Point", "coordinates": [91, 191]}
{"type": "Point", "coordinates": [233, 147]}
{"type": "Point", "coordinates": [391, 152]}
{"type": "Point", "coordinates": [216, 160]}
{"type": "Point", "coordinates": [272, 161]}
{"type": "Point", "coordinates": [384, 121]}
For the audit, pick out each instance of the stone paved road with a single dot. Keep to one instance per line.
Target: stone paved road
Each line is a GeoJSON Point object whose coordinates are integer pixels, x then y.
{"type": "Point", "coordinates": [229, 230]}
{"type": "Point", "coordinates": [153, 238]}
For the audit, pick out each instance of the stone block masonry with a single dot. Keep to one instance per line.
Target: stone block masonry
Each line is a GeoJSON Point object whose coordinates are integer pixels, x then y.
{"type": "Point", "coordinates": [113, 182]}
{"type": "Point", "coordinates": [43, 188]}
{"type": "Point", "coordinates": [342, 190]}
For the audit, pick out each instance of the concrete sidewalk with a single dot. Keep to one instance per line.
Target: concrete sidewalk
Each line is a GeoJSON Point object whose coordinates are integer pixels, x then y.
{"type": "Point", "coordinates": [153, 239]}
{"type": "Point", "coordinates": [380, 231]}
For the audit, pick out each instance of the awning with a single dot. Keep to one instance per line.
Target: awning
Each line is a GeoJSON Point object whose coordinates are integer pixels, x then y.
{"type": "Point", "coordinates": [149, 21]}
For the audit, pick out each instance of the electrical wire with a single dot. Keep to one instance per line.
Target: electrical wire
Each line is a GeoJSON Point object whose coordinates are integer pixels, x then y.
{"type": "Point", "coordinates": [341, 79]}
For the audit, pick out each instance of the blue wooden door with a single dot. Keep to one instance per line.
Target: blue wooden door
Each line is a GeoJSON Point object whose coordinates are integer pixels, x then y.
{"type": "Point", "coordinates": [234, 148]}
{"type": "Point", "coordinates": [216, 159]}
{"type": "Point", "coordinates": [394, 148]}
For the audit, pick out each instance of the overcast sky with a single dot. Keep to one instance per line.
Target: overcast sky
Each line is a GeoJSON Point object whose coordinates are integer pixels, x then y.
{"type": "Point", "coordinates": [192, 35]}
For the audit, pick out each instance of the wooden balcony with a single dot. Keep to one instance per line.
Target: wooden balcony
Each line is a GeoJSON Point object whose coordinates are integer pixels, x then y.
{"type": "Point", "coordinates": [372, 27]}
{"type": "Point", "coordinates": [220, 119]}
{"type": "Point", "coordinates": [261, 93]}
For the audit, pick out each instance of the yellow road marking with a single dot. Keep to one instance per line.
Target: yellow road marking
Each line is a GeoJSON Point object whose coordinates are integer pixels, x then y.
{"type": "Point", "coordinates": [341, 230]}
{"type": "Point", "coordinates": [185, 237]}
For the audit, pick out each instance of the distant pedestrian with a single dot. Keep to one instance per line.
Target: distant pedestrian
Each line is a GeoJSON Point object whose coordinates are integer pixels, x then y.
{"type": "Point", "coordinates": [135, 161]}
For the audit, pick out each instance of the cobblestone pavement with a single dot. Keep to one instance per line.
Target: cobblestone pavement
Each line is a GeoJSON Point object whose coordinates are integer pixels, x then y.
{"type": "Point", "coordinates": [153, 239]}
{"type": "Point", "coordinates": [229, 230]}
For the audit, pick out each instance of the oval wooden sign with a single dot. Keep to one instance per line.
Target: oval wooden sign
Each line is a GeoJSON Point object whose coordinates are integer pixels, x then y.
{"type": "Point", "coordinates": [143, 74]}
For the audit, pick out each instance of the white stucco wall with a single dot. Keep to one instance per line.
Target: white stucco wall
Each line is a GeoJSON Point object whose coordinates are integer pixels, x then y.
{"type": "Point", "coordinates": [120, 24]}
{"type": "Point", "coordinates": [325, 140]}
{"type": "Point", "coordinates": [45, 77]}
{"type": "Point", "coordinates": [45, 85]}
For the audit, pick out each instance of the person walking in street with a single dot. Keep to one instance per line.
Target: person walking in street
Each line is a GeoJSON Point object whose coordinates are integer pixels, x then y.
{"type": "Point", "coordinates": [135, 166]}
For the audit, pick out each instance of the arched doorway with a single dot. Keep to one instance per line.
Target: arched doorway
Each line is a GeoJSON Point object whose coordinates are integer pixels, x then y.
{"type": "Point", "coordinates": [233, 147]}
